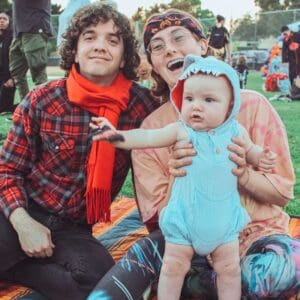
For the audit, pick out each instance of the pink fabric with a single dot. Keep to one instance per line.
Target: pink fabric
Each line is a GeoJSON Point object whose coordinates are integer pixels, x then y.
{"type": "Point", "coordinates": [151, 174]}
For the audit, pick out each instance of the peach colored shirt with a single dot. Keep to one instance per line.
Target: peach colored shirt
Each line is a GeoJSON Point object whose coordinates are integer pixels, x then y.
{"type": "Point", "coordinates": [151, 174]}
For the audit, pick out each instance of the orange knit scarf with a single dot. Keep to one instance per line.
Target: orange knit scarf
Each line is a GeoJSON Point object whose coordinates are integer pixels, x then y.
{"type": "Point", "coordinates": [106, 102]}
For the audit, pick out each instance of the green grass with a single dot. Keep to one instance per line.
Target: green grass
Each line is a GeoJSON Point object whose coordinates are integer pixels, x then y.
{"type": "Point", "coordinates": [290, 115]}
{"type": "Point", "coordinates": [288, 111]}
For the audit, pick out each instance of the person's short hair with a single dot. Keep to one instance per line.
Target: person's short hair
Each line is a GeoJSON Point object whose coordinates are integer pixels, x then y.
{"type": "Point", "coordinates": [220, 18]}
{"type": "Point", "coordinates": [92, 15]}
{"type": "Point", "coordinates": [284, 28]}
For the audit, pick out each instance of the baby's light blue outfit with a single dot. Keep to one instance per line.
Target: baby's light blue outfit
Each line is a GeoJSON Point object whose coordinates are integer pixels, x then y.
{"type": "Point", "coordinates": [204, 210]}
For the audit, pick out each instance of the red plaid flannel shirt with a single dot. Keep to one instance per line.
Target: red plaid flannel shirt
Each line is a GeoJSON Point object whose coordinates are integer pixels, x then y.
{"type": "Point", "coordinates": [45, 155]}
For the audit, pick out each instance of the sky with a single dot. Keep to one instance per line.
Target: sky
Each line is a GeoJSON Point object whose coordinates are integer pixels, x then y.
{"type": "Point", "coordinates": [228, 8]}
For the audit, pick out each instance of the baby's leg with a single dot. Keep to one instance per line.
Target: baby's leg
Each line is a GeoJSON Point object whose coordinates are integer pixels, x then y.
{"type": "Point", "coordinates": [176, 263]}
{"type": "Point", "coordinates": [226, 263]}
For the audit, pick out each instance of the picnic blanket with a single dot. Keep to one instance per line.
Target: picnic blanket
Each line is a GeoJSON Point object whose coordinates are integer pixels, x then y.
{"type": "Point", "coordinates": [118, 236]}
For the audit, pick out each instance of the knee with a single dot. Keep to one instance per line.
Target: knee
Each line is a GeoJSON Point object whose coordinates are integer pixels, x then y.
{"type": "Point", "coordinates": [173, 266]}
{"type": "Point", "coordinates": [228, 268]}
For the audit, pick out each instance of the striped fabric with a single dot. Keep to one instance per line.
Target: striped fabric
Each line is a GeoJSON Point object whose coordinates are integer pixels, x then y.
{"type": "Point", "coordinates": [118, 236]}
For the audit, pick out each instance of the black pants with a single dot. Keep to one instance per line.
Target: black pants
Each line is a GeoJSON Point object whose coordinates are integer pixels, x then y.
{"type": "Point", "coordinates": [79, 261]}
{"type": "Point", "coordinates": [6, 98]}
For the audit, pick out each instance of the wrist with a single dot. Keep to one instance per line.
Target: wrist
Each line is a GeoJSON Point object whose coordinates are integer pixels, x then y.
{"type": "Point", "coordinates": [244, 178]}
{"type": "Point", "coordinates": [18, 218]}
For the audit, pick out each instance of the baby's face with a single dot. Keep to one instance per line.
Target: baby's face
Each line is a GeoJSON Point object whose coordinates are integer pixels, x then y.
{"type": "Point", "coordinates": [206, 101]}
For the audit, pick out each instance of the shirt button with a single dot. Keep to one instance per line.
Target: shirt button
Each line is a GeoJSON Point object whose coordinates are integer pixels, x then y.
{"type": "Point", "coordinates": [56, 147]}
{"type": "Point", "coordinates": [218, 150]}
{"type": "Point", "coordinates": [211, 132]}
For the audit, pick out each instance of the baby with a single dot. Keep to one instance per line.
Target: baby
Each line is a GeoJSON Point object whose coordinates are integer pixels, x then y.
{"type": "Point", "coordinates": [204, 213]}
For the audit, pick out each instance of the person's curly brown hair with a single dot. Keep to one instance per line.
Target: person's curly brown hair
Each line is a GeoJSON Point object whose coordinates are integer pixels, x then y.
{"type": "Point", "coordinates": [92, 15]}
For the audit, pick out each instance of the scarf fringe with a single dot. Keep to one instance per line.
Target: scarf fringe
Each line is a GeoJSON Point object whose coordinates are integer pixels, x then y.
{"type": "Point", "coordinates": [98, 206]}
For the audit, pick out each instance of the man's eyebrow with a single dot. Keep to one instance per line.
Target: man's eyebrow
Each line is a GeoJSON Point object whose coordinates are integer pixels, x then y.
{"type": "Point", "coordinates": [115, 34]}
{"type": "Point", "coordinates": [87, 31]}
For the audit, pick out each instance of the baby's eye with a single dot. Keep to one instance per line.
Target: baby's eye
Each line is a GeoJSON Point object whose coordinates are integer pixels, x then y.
{"type": "Point", "coordinates": [189, 99]}
{"type": "Point", "coordinates": [209, 100]}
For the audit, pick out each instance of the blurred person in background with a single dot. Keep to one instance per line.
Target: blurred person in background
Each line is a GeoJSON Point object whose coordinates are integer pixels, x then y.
{"type": "Point", "coordinates": [219, 40]}
{"type": "Point", "coordinates": [7, 87]}
{"type": "Point", "coordinates": [291, 53]}
{"type": "Point", "coordinates": [32, 28]}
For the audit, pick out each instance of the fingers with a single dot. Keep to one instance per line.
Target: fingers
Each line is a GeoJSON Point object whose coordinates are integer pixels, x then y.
{"type": "Point", "coordinates": [41, 253]}
{"type": "Point", "coordinates": [182, 150]}
{"type": "Point", "coordinates": [43, 250]}
{"type": "Point", "coordinates": [182, 156]}
{"type": "Point", "coordinates": [268, 161]}
{"type": "Point", "coordinates": [176, 164]}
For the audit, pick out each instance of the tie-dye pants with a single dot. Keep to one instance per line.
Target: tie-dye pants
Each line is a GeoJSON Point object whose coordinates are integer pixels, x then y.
{"type": "Point", "coordinates": [270, 270]}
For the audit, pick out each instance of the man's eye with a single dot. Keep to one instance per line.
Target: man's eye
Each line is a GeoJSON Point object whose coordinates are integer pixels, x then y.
{"type": "Point", "coordinates": [88, 37]}
{"type": "Point", "coordinates": [113, 41]}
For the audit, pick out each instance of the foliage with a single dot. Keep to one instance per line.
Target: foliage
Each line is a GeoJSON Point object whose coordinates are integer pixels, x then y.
{"type": "Point", "coordinates": [292, 4]}
{"type": "Point", "coordinates": [5, 6]}
{"type": "Point", "coordinates": [56, 9]}
{"type": "Point", "coordinates": [269, 5]}
{"type": "Point", "coordinates": [191, 6]}
{"type": "Point", "coordinates": [243, 29]}
{"type": "Point", "coordinates": [263, 25]}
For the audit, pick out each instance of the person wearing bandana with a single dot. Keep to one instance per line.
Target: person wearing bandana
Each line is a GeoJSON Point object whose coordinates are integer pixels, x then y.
{"type": "Point", "coordinates": [268, 255]}
{"type": "Point", "coordinates": [54, 183]}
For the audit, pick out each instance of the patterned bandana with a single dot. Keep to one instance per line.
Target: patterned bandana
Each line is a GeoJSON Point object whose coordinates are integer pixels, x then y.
{"type": "Point", "coordinates": [170, 18]}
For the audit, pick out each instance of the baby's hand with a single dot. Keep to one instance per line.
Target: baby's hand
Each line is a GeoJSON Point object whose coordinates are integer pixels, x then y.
{"type": "Point", "coordinates": [102, 129]}
{"type": "Point", "coordinates": [267, 161]}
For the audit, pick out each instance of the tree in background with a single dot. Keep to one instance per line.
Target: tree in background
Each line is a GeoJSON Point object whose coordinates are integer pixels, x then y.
{"type": "Point", "coordinates": [5, 6]}
{"type": "Point", "coordinates": [243, 28]}
{"type": "Point", "coordinates": [267, 23]}
{"type": "Point", "coordinates": [56, 9]}
{"type": "Point", "coordinates": [191, 6]}
{"type": "Point", "coordinates": [269, 5]}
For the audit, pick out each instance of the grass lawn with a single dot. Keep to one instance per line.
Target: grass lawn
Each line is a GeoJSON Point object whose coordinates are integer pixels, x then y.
{"type": "Point", "coordinates": [288, 111]}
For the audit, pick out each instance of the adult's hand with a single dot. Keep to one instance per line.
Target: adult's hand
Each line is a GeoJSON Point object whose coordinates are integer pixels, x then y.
{"type": "Point", "coordinates": [182, 155]}
{"type": "Point", "coordinates": [9, 83]}
{"type": "Point", "coordinates": [238, 156]}
{"type": "Point", "coordinates": [34, 238]}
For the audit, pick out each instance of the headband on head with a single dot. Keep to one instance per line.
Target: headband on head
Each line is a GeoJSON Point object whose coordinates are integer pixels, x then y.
{"type": "Point", "coordinates": [170, 18]}
{"type": "Point", "coordinates": [194, 64]}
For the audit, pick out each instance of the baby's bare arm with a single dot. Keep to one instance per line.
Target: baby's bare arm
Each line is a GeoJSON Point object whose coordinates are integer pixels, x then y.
{"type": "Point", "coordinates": [137, 138]}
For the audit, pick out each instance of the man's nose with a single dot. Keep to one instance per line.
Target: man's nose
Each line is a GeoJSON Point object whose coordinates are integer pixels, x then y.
{"type": "Point", "coordinates": [100, 44]}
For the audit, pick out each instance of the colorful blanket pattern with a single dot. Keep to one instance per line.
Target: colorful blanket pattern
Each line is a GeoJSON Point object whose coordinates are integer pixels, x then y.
{"type": "Point", "coordinates": [118, 236]}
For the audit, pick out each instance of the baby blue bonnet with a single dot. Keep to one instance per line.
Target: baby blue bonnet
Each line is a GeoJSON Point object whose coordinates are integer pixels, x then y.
{"type": "Point", "coordinates": [194, 64]}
